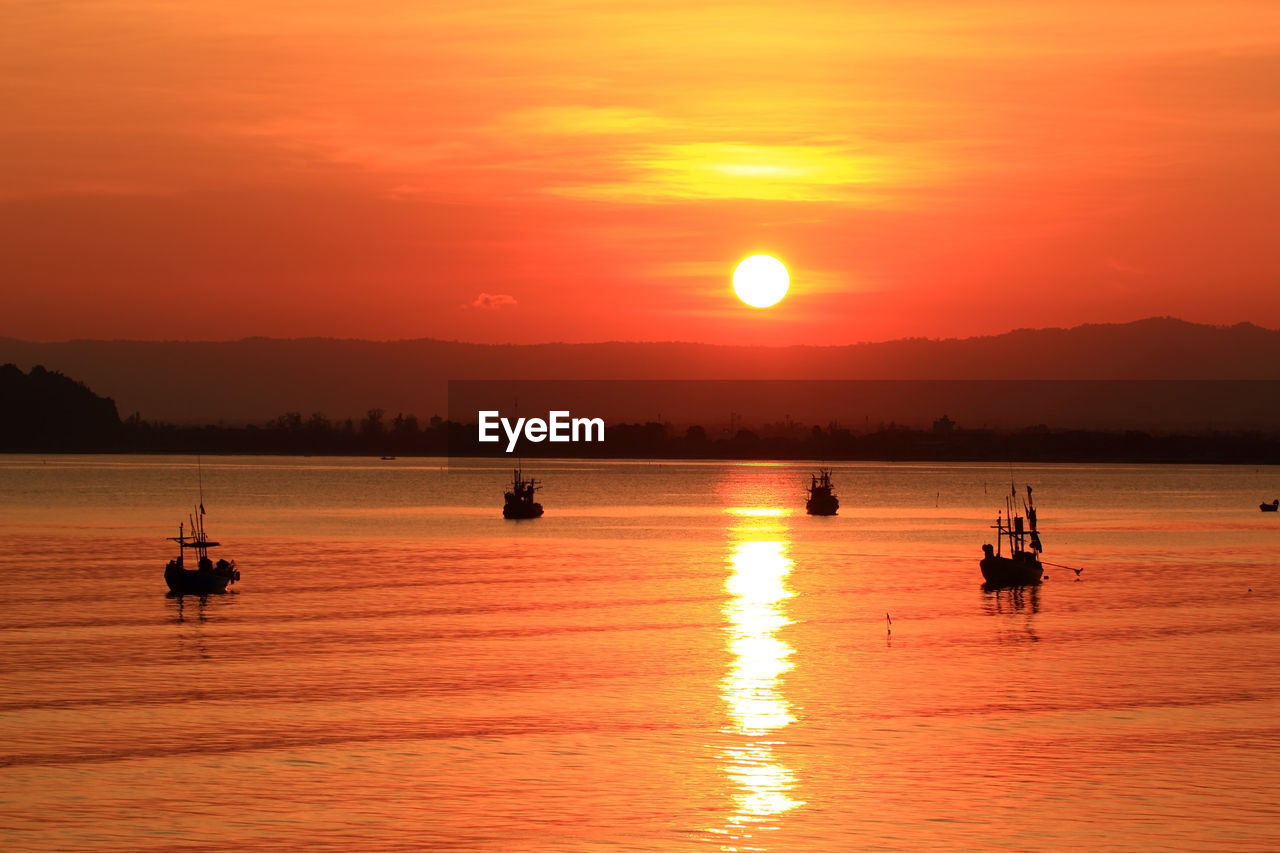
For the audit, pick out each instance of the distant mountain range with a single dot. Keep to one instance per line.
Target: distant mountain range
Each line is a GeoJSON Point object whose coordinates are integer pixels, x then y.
{"type": "Point", "coordinates": [256, 379]}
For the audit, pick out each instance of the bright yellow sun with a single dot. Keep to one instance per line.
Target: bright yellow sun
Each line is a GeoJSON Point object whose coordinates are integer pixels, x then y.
{"type": "Point", "coordinates": [761, 281]}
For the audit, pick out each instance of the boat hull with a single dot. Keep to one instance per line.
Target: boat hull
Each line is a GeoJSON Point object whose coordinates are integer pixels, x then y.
{"type": "Point", "coordinates": [210, 580]}
{"type": "Point", "coordinates": [522, 510]}
{"type": "Point", "coordinates": [184, 582]}
{"type": "Point", "coordinates": [822, 506]}
{"type": "Point", "coordinates": [1021, 570]}
{"type": "Point", "coordinates": [1269, 507]}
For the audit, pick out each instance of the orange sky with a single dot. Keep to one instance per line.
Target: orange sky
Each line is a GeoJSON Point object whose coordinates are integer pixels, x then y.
{"type": "Point", "coordinates": [589, 171]}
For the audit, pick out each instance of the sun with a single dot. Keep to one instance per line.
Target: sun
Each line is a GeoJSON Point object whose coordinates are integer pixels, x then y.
{"type": "Point", "coordinates": [761, 281]}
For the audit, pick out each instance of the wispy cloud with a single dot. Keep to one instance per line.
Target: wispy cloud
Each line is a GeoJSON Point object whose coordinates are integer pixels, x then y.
{"type": "Point", "coordinates": [491, 302]}
{"type": "Point", "coordinates": [742, 171]}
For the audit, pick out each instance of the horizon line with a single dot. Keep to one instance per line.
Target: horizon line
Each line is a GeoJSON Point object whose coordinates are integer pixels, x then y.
{"type": "Point", "coordinates": [1021, 329]}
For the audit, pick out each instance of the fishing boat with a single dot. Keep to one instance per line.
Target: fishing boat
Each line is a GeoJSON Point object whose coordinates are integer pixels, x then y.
{"type": "Point", "coordinates": [822, 501]}
{"type": "Point", "coordinates": [1021, 567]}
{"type": "Point", "coordinates": [519, 502]}
{"type": "Point", "coordinates": [1274, 506]}
{"type": "Point", "coordinates": [207, 577]}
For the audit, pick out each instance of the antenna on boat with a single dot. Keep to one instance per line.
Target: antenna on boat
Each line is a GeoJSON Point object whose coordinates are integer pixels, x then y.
{"type": "Point", "coordinates": [200, 480]}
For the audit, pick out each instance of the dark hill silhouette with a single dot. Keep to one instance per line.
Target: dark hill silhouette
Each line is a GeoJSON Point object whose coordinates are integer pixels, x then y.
{"type": "Point", "coordinates": [257, 378]}
{"type": "Point", "coordinates": [44, 410]}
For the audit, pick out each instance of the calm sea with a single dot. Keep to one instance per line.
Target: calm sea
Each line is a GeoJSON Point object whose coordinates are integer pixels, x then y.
{"type": "Point", "coordinates": [674, 658]}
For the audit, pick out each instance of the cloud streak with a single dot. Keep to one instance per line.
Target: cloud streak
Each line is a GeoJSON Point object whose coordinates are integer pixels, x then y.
{"type": "Point", "coordinates": [491, 302]}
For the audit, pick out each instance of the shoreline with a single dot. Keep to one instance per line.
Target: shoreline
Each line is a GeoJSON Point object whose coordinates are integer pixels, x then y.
{"type": "Point", "coordinates": [812, 461]}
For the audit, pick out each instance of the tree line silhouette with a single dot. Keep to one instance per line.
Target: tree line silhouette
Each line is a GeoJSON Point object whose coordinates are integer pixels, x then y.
{"type": "Point", "coordinates": [45, 411]}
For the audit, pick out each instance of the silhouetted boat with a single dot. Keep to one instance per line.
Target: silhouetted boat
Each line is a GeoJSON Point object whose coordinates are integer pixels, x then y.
{"type": "Point", "coordinates": [1274, 506]}
{"type": "Point", "coordinates": [519, 502]}
{"type": "Point", "coordinates": [1022, 566]}
{"type": "Point", "coordinates": [822, 501]}
{"type": "Point", "coordinates": [207, 577]}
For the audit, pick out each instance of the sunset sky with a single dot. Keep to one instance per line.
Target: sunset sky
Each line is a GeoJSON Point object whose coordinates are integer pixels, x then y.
{"type": "Point", "coordinates": [588, 171]}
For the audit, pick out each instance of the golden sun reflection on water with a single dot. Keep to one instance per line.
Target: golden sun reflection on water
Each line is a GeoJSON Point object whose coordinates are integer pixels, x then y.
{"type": "Point", "coordinates": [751, 690]}
{"type": "Point", "coordinates": [757, 512]}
